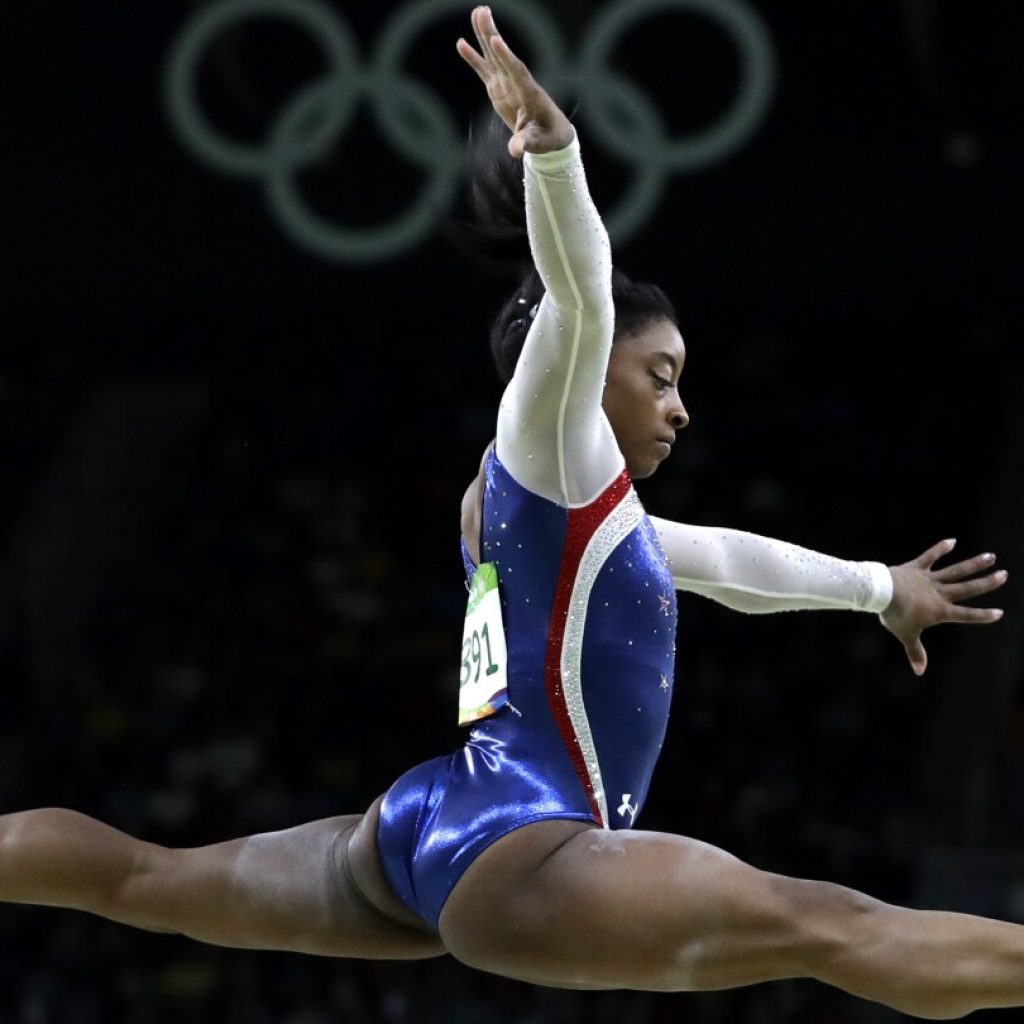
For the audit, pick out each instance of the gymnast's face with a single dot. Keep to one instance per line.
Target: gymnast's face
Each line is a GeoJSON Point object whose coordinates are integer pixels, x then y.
{"type": "Point", "coordinates": [641, 395]}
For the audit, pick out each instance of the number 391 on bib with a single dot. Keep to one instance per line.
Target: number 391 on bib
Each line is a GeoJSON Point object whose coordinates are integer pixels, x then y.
{"type": "Point", "coordinates": [483, 679]}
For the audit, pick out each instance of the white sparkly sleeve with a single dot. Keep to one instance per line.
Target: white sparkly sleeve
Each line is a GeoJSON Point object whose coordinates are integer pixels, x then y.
{"type": "Point", "coordinates": [552, 434]}
{"type": "Point", "coordinates": [751, 573]}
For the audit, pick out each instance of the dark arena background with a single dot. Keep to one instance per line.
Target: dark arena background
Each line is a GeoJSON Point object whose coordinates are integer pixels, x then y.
{"type": "Point", "coordinates": [245, 381]}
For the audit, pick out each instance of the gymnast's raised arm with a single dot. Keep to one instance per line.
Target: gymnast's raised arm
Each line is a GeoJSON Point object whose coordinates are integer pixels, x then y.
{"type": "Point", "coordinates": [552, 435]}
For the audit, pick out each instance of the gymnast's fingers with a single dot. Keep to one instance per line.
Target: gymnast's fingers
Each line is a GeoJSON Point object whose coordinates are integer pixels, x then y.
{"type": "Point", "coordinates": [473, 59]}
{"type": "Point", "coordinates": [916, 655]}
{"type": "Point", "coordinates": [968, 567]}
{"type": "Point", "coordinates": [966, 589]}
{"type": "Point", "coordinates": [963, 613]}
{"type": "Point", "coordinates": [929, 557]}
{"type": "Point", "coordinates": [510, 63]}
{"type": "Point", "coordinates": [483, 27]}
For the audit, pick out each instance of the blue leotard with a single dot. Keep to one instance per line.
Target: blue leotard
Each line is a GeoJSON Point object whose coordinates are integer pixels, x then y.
{"type": "Point", "coordinates": [587, 584]}
{"type": "Point", "coordinates": [590, 613]}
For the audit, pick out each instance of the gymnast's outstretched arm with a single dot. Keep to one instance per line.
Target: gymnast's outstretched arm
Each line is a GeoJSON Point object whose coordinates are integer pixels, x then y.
{"type": "Point", "coordinates": [756, 574]}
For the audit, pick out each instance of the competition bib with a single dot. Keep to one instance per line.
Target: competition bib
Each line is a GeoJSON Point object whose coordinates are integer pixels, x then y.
{"type": "Point", "coordinates": [483, 680]}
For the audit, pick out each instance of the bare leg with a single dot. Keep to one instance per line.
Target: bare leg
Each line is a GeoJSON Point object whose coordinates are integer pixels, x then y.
{"type": "Point", "coordinates": [584, 907]}
{"type": "Point", "coordinates": [316, 888]}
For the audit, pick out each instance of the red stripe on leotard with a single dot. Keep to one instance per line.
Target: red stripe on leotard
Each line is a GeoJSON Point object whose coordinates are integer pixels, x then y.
{"type": "Point", "coordinates": [581, 525]}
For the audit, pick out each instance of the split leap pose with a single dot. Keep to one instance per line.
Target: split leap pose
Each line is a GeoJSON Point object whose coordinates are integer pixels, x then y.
{"type": "Point", "coordinates": [516, 854]}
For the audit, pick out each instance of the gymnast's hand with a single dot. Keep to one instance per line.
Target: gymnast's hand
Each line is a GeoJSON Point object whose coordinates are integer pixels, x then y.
{"type": "Point", "coordinates": [924, 596]}
{"type": "Point", "coordinates": [535, 120]}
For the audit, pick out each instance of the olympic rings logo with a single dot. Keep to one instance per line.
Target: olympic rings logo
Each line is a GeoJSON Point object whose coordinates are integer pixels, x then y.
{"type": "Point", "coordinates": [319, 115]}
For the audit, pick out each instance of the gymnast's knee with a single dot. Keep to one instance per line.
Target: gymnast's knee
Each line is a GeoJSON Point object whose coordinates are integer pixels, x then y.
{"type": "Point", "coordinates": [824, 922]}
{"type": "Point", "coordinates": [777, 928]}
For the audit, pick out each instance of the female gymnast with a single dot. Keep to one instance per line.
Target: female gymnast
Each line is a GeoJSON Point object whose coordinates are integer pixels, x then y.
{"type": "Point", "coordinates": [516, 854]}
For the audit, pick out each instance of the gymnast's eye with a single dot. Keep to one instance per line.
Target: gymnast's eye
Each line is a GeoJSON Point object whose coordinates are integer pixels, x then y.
{"type": "Point", "coordinates": [659, 382]}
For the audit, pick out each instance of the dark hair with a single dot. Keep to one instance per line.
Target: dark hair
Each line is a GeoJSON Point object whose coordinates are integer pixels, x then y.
{"type": "Point", "coordinates": [496, 235]}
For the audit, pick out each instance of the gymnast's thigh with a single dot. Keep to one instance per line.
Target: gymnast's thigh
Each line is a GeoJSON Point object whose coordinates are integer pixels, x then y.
{"type": "Point", "coordinates": [567, 904]}
{"type": "Point", "coordinates": [316, 888]}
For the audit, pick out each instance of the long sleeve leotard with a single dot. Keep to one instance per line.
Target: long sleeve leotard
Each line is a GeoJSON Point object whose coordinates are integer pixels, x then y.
{"type": "Point", "coordinates": [587, 585]}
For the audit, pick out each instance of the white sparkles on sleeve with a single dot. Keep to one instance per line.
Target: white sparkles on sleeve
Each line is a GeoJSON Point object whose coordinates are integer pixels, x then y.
{"type": "Point", "coordinates": [553, 436]}
{"type": "Point", "coordinates": [757, 574]}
